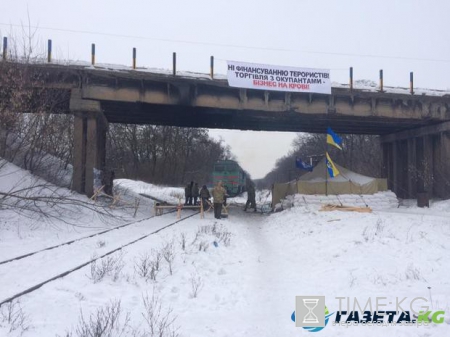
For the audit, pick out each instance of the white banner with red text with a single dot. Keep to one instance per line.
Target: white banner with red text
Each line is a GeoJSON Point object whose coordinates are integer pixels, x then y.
{"type": "Point", "coordinates": [278, 78]}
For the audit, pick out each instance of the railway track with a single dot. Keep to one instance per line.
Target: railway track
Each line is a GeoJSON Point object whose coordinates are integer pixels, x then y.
{"type": "Point", "coordinates": [34, 287]}
{"type": "Point", "coordinates": [76, 240]}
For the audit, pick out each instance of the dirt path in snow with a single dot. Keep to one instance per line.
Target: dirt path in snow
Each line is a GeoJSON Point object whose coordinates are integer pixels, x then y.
{"type": "Point", "coordinates": [266, 277]}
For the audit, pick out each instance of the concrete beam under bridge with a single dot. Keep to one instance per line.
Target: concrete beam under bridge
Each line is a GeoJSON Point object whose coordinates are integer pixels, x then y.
{"type": "Point", "coordinates": [416, 132]}
{"type": "Point", "coordinates": [418, 160]}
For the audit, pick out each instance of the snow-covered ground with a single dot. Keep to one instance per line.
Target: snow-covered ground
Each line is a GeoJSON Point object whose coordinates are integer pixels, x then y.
{"type": "Point", "coordinates": [237, 276]}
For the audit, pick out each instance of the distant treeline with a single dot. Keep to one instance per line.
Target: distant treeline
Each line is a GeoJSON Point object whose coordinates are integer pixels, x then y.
{"type": "Point", "coordinates": [163, 154]}
{"type": "Point", "coordinates": [361, 154]}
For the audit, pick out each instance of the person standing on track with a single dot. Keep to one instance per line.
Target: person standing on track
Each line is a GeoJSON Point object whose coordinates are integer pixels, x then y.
{"type": "Point", "coordinates": [251, 195]}
{"type": "Point", "coordinates": [219, 194]}
{"type": "Point", "coordinates": [188, 194]}
{"type": "Point", "coordinates": [195, 193]}
{"type": "Point", "coordinates": [205, 196]}
{"type": "Point", "coordinates": [191, 189]}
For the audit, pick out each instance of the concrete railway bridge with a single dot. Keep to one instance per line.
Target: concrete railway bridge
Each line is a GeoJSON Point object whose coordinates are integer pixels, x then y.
{"type": "Point", "coordinates": [414, 129]}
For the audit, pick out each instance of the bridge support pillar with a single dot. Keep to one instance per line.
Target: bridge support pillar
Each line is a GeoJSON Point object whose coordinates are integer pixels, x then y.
{"type": "Point", "coordinates": [442, 174]}
{"type": "Point", "coordinates": [89, 153]}
{"type": "Point", "coordinates": [411, 168]}
{"type": "Point", "coordinates": [417, 161]}
{"type": "Point", "coordinates": [402, 168]}
{"type": "Point", "coordinates": [427, 168]}
{"type": "Point", "coordinates": [388, 165]}
{"type": "Point", "coordinates": [395, 165]}
{"type": "Point", "coordinates": [79, 153]}
{"type": "Point", "coordinates": [95, 153]}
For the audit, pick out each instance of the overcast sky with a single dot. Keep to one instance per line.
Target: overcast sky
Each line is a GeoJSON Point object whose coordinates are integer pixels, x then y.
{"type": "Point", "coordinates": [396, 36]}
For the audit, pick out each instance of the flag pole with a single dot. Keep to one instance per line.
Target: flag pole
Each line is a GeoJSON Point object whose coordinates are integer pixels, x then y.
{"type": "Point", "coordinates": [326, 168]}
{"type": "Point", "coordinates": [326, 176]}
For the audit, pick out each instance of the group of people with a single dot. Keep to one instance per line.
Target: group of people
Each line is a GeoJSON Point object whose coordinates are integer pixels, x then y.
{"type": "Point", "coordinates": [192, 194]}
{"type": "Point", "coordinates": [219, 194]}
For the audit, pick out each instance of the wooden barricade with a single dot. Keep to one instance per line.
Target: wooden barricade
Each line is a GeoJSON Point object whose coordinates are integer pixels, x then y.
{"type": "Point", "coordinates": [115, 199]}
{"type": "Point", "coordinates": [159, 209]}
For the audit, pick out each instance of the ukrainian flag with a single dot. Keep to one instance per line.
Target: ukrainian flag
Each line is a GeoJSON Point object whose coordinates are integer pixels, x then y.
{"type": "Point", "coordinates": [332, 169]}
{"type": "Point", "coordinates": [334, 139]}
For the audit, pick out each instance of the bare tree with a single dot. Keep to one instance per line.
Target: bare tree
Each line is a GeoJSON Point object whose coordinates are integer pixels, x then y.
{"type": "Point", "coordinates": [107, 321]}
{"type": "Point", "coordinates": [12, 315]}
{"type": "Point", "coordinates": [169, 254]}
{"type": "Point", "coordinates": [163, 154]}
{"type": "Point", "coordinates": [160, 321]}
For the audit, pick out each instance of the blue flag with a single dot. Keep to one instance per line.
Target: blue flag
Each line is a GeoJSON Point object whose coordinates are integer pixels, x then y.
{"type": "Point", "coordinates": [302, 165]}
{"type": "Point", "coordinates": [334, 139]}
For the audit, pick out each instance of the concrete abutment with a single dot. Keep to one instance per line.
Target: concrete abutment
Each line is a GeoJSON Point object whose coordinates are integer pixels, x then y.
{"type": "Point", "coordinates": [89, 153]}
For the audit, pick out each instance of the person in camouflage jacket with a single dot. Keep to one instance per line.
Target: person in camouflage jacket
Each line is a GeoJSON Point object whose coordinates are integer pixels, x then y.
{"type": "Point", "coordinates": [219, 194]}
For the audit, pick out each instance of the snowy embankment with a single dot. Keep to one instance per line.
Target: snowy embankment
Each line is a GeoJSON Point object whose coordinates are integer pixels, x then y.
{"type": "Point", "coordinates": [28, 223]}
{"type": "Point", "coordinates": [171, 195]}
{"type": "Point", "coordinates": [239, 276]}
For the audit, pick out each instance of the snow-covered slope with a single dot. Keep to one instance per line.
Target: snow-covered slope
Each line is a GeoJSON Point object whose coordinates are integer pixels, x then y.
{"type": "Point", "coordinates": [23, 227]}
{"type": "Point", "coordinates": [169, 194]}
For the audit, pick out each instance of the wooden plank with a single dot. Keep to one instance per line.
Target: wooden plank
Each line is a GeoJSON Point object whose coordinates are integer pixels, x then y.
{"type": "Point", "coordinates": [176, 206]}
{"type": "Point", "coordinates": [330, 207]}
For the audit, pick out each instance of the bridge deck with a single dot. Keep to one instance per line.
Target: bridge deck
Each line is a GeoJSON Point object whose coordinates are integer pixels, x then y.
{"type": "Point", "coordinates": [194, 100]}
